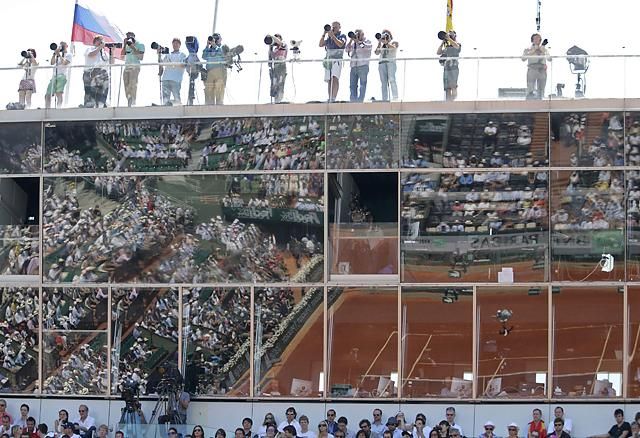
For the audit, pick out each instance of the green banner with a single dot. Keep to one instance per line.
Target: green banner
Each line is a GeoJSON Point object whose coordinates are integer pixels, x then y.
{"type": "Point", "coordinates": [315, 218]}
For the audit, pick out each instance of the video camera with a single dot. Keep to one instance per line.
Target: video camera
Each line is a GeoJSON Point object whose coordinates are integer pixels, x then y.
{"type": "Point", "coordinates": [163, 50]}
{"type": "Point", "coordinates": [192, 44]}
{"type": "Point", "coordinates": [130, 391]}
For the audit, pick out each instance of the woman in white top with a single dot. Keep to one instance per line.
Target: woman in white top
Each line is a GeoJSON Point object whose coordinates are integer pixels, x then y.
{"type": "Point", "coordinates": [63, 417]}
{"type": "Point", "coordinates": [323, 430]}
{"type": "Point", "coordinates": [28, 84]}
{"type": "Point", "coordinates": [387, 49]}
{"type": "Point", "coordinates": [268, 419]}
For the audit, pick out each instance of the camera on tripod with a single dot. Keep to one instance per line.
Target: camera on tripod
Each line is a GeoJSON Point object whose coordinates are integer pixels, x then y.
{"type": "Point", "coordinates": [162, 50]}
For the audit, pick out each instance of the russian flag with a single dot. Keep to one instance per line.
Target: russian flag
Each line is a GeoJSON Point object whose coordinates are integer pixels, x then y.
{"type": "Point", "coordinates": [87, 24]}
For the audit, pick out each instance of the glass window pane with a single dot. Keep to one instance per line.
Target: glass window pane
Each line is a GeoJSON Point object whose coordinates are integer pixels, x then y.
{"type": "Point", "coordinates": [633, 225]}
{"type": "Point", "coordinates": [363, 142]}
{"type": "Point", "coordinates": [216, 336]}
{"type": "Point", "coordinates": [250, 143]}
{"type": "Point", "coordinates": [512, 342]}
{"type": "Point", "coordinates": [593, 366]}
{"type": "Point", "coordinates": [632, 138]}
{"type": "Point", "coordinates": [363, 233]}
{"type": "Point", "coordinates": [75, 362]}
{"type": "Point", "coordinates": [587, 139]}
{"type": "Point", "coordinates": [483, 226]}
{"type": "Point", "coordinates": [144, 336]}
{"type": "Point", "coordinates": [20, 147]}
{"type": "Point", "coordinates": [588, 225]}
{"type": "Point", "coordinates": [475, 140]}
{"type": "Point", "coordinates": [19, 317]}
{"type": "Point", "coordinates": [437, 342]}
{"type": "Point", "coordinates": [363, 342]}
{"type": "Point", "coordinates": [288, 342]}
{"type": "Point", "coordinates": [633, 376]}
{"type": "Point", "coordinates": [212, 228]}
{"type": "Point", "coordinates": [19, 230]}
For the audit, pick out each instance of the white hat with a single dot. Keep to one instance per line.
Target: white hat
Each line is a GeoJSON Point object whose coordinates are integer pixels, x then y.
{"type": "Point", "coordinates": [513, 425]}
{"type": "Point", "coordinates": [489, 423]}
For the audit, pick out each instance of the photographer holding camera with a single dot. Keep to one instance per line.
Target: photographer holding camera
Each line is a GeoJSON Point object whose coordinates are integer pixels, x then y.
{"type": "Point", "coordinates": [27, 84]}
{"type": "Point", "coordinates": [359, 49]}
{"type": "Point", "coordinates": [278, 52]}
{"type": "Point", "coordinates": [387, 49]}
{"type": "Point", "coordinates": [334, 43]}
{"type": "Point", "coordinates": [536, 56]}
{"type": "Point", "coordinates": [133, 52]}
{"type": "Point", "coordinates": [215, 55]}
{"type": "Point", "coordinates": [96, 76]}
{"type": "Point", "coordinates": [449, 50]}
{"type": "Point", "coordinates": [61, 59]}
{"type": "Point", "coordinates": [171, 79]}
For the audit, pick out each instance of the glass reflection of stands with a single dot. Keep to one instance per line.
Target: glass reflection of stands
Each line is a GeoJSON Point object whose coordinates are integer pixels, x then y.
{"type": "Point", "coordinates": [363, 233]}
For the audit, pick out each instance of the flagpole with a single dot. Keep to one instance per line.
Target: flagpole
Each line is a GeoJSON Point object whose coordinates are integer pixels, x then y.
{"type": "Point", "coordinates": [215, 17]}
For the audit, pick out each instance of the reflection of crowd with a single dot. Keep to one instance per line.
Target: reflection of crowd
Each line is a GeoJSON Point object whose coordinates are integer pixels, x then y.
{"type": "Point", "coordinates": [362, 142]}
{"type": "Point", "coordinates": [14, 160]}
{"type": "Point", "coordinates": [61, 160]}
{"type": "Point", "coordinates": [19, 327]}
{"type": "Point", "coordinates": [19, 250]}
{"type": "Point", "coordinates": [91, 246]}
{"type": "Point", "coordinates": [592, 200]}
{"type": "Point", "coordinates": [284, 143]}
{"type": "Point", "coordinates": [83, 371]}
{"type": "Point", "coordinates": [633, 199]}
{"type": "Point", "coordinates": [475, 202]}
{"type": "Point", "coordinates": [604, 149]}
{"type": "Point", "coordinates": [145, 145]}
{"type": "Point", "coordinates": [632, 144]}
{"type": "Point", "coordinates": [302, 192]}
{"type": "Point", "coordinates": [73, 308]}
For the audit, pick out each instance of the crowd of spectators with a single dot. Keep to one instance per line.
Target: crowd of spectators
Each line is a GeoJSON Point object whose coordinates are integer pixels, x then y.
{"type": "Point", "coordinates": [19, 250]}
{"type": "Point", "coordinates": [283, 143]}
{"type": "Point", "coordinates": [632, 141]}
{"type": "Point", "coordinates": [598, 145]}
{"type": "Point", "coordinates": [362, 142]}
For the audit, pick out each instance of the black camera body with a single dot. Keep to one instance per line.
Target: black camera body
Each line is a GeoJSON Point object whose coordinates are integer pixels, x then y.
{"type": "Point", "coordinates": [26, 54]}
{"type": "Point", "coordinates": [163, 50]}
{"type": "Point", "coordinates": [215, 38]}
{"type": "Point", "coordinates": [130, 41]}
{"type": "Point", "coordinates": [383, 36]}
{"type": "Point", "coordinates": [327, 27]}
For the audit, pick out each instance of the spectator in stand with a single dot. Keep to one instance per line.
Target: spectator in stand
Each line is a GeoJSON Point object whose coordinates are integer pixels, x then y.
{"type": "Point", "coordinates": [635, 430]}
{"type": "Point", "coordinates": [198, 432]}
{"type": "Point", "coordinates": [43, 431]}
{"type": "Point", "coordinates": [290, 432]}
{"type": "Point", "coordinates": [332, 425]}
{"type": "Point", "coordinates": [3, 409]}
{"type": "Point", "coordinates": [24, 414]}
{"type": "Point", "coordinates": [419, 426]}
{"type": "Point", "coordinates": [86, 423]}
{"type": "Point", "coordinates": [103, 431]}
{"type": "Point", "coordinates": [558, 432]}
{"type": "Point", "coordinates": [6, 424]}
{"type": "Point", "coordinates": [365, 426]}
{"type": "Point", "coordinates": [361, 434]}
{"type": "Point", "coordinates": [454, 433]}
{"type": "Point", "coordinates": [558, 412]}
{"type": "Point", "coordinates": [621, 429]}
{"type": "Point", "coordinates": [304, 428]}
{"type": "Point", "coordinates": [30, 428]}
{"type": "Point", "coordinates": [63, 417]}
{"type": "Point", "coordinates": [489, 427]}
{"type": "Point", "coordinates": [377, 427]}
{"type": "Point", "coordinates": [392, 426]}
{"type": "Point", "coordinates": [290, 421]}
{"type": "Point", "coordinates": [268, 419]}
{"type": "Point", "coordinates": [322, 431]}
{"type": "Point", "coordinates": [537, 425]}
{"type": "Point", "coordinates": [220, 433]}
{"type": "Point", "coordinates": [512, 430]}
{"type": "Point", "coordinates": [450, 413]}
{"type": "Point", "coordinates": [247, 424]}
{"type": "Point", "coordinates": [342, 426]}
{"type": "Point", "coordinates": [16, 431]}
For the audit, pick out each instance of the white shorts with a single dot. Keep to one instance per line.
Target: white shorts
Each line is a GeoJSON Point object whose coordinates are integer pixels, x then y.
{"type": "Point", "coordinates": [336, 68]}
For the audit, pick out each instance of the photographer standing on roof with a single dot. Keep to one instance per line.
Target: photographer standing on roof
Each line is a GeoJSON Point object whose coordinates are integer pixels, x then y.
{"type": "Point", "coordinates": [334, 42]}
{"type": "Point", "coordinates": [536, 56]}
{"type": "Point", "coordinates": [215, 55]}
{"type": "Point", "coordinates": [387, 49]}
{"type": "Point", "coordinates": [359, 49]}
{"type": "Point", "coordinates": [277, 68]}
{"type": "Point", "coordinates": [96, 76]}
{"type": "Point", "coordinates": [133, 52]}
{"type": "Point", "coordinates": [449, 51]}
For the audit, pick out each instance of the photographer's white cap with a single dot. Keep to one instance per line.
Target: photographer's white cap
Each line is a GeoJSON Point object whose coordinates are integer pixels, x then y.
{"type": "Point", "coordinates": [489, 423]}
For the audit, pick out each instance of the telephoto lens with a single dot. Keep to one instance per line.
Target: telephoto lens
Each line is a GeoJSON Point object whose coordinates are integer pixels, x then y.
{"type": "Point", "coordinates": [268, 40]}
{"type": "Point", "coordinates": [351, 34]}
{"type": "Point", "coordinates": [53, 46]}
{"type": "Point", "coordinates": [25, 54]}
{"type": "Point", "coordinates": [327, 27]}
{"type": "Point", "coordinates": [378, 35]}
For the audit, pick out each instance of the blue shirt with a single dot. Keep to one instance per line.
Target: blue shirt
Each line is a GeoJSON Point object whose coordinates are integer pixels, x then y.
{"type": "Point", "coordinates": [214, 54]}
{"type": "Point", "coordinates": [130, 57]}
{"type": "Point", "coordinates": [334, 51]}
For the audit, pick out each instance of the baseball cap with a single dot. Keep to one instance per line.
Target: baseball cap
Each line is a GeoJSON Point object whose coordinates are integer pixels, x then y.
{"type": "Point", "coordinates": [489, 423]}
{"type": "Point", "coordinates": [513, 425]}
{"type": "Point", "coordinates": [392, 420]}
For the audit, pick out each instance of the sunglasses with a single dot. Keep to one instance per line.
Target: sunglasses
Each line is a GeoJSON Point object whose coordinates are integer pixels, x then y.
{"type": "Point", "coordinates": [322, 425]}
{"type": "Point", "coordinates": [511, 429]}
{"type": "Point", "coordinates": [488, 428]}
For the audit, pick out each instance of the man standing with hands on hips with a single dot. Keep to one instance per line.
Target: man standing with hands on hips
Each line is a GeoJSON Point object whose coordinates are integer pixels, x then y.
{"type": "Point", "coordinates": [334, 43]}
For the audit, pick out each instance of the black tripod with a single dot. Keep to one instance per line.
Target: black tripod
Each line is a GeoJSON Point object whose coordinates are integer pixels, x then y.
{"type": "Point", "coordinates": [131, 419]}
{"type": "Point", "coordinates": [165, 412]}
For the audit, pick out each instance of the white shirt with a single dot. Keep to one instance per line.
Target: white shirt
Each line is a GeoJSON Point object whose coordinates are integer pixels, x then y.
{"type": "Point", "coordinates": [87, 423]}
{"type": "Point", "coordinates": [307, 434]}
{"type": "Point", "coordinates": [294, 423]}
{"type": "Point", "coordinates": [568, 425]}
{"type": "Point", "coordinates": [101, 58]}
{"type": "Point", "coordinates": [61, 68]}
